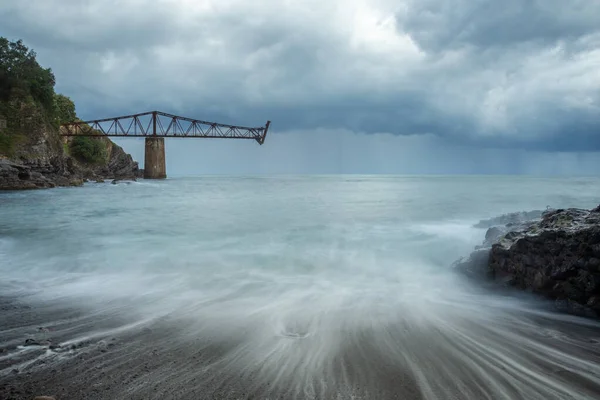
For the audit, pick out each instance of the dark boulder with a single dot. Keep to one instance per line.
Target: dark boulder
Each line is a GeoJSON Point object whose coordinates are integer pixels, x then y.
{"type": "Point", "coordinates": [17, 176]}
{"type": "Point", "coordinates": [557, 256]}
{"type": "Point", "coordinates": [476, 265]}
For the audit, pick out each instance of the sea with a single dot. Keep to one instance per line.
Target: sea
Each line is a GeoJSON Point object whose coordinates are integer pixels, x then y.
{"type": "Point", "coordinates": [313, 286]}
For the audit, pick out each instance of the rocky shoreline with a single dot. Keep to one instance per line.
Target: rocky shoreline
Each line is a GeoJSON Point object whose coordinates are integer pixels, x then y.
{"type": "Point", "coordinates": [65, 171]}
{"type": "Point", "coordinates": [33, 154]}
{"type": "Point", "coordinates": [553, 253]}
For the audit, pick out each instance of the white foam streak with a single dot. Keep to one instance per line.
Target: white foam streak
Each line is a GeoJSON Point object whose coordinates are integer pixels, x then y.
{"type": "Point", "coordinates": [304, 301]}
{"type": "Point", "coordinates": [301, 332]}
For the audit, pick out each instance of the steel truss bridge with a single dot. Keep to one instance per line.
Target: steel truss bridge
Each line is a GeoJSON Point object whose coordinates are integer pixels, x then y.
{"type": "Point", "coordinates": [157, 125]}
{"type": "Point", "coordinates": [162, 125]}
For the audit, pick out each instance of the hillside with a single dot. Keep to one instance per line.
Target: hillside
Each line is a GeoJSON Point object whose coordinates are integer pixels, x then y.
{"type": "Point", "coordinates": [32, 152]}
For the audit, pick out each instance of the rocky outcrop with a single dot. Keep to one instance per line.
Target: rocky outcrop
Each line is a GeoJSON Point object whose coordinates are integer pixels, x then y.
{"type": "Point", "coordinates": [120, 165]}
{"type": "Point", "coordinates": [556, 256]}
{"type": "Point", "coordinates": [38, 158]}
{"type": "Point", "coordinates": [65, 171]}
{"type": "Point", "coordinates": [33, 154]}
{"type": "Point", "coordinates": [19, 176]}
{"type": "Point", "coordinates": [511, 219]}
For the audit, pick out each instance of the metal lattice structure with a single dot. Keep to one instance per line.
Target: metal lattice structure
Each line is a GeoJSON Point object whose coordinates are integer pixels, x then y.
{"type": "Point", "coordinates": [160, 124]}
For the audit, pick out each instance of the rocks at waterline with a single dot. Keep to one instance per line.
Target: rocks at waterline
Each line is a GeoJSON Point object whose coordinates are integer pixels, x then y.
{"type": "Point", "coordinates": [49, 167]}
{"type": "Point", "coordinates": [59, 171]}
{"type": "Point", "coordinates": [18, 176]}
{"type": "Point", "coordinates": [476, 265]}
{"type": "Point", "coordinates": [556, 255]}
{"type": "Point", "coordinates": [127, 182]}
{"type": "Point", "coordinates": [510, 219]}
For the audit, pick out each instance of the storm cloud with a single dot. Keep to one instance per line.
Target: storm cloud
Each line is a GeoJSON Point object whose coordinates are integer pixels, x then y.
{"type": "Point", "coordinates": [480, 74]}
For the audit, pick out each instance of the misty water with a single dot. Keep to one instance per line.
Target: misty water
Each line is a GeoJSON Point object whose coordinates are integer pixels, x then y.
{"type": "Point", "coordinates": [326, 287]}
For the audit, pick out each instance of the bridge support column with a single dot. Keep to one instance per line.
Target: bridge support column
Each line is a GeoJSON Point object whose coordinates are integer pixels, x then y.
{"type": "Point", "coordinates": [154, 159]}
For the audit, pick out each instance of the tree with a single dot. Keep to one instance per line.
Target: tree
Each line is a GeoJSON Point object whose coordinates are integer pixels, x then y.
{"type": "Point", "coordinates": [64, 109]}
{"type": "Point", "coordinates": [21, 75]}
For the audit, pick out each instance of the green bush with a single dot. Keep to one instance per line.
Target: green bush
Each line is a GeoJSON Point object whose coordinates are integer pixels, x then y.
{"type": "Point", "coordinates": [88, 149]}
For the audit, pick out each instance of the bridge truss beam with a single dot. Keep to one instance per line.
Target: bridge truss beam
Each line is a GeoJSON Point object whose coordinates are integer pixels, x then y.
{"type": "Point", "coordinates": [160, 124]}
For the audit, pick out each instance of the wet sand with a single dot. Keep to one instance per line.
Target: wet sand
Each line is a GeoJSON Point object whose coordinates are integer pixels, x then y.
{"type": "Point", "coordinates": [69, 353]}
{"type": "Point", "coordinates": [77, 353]}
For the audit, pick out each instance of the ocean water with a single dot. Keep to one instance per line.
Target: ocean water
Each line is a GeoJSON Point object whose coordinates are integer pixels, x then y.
{"type": "Point", "coordinates": [313, 286]}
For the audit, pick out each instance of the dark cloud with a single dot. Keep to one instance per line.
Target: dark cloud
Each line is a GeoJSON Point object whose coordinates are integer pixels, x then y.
{"type": "Point", "coordinates": [441, 24]}
{"type": "Point", "coordinates": [477, 73]}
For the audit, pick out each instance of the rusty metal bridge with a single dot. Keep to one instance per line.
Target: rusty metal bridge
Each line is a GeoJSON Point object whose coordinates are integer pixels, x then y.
{"type": "Point", "coordinates": [157, 125]}
{"type": "Point", "coordinates": [161, 124]}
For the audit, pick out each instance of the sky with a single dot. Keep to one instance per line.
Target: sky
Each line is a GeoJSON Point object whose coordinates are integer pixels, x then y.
{"type": "Point", "coordinates": [351, 86]}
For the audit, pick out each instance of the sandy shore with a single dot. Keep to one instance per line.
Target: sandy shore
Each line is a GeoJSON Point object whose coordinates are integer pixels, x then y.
{"type": "Point", "coordinates": [70, 353]}
{"type": "Point", "coordinates": [73, 353]}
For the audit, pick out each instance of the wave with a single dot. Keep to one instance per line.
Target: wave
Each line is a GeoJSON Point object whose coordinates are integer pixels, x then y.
{"type": "Point", "coordinates": [222, 291]}
{"type": "Point", "coordinates": [420, 336]}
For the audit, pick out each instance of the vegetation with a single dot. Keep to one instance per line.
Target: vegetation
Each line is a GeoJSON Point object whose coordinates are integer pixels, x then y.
{"type": "Point", "coordinates": [29, 103]}
{"type": "Point", "coordinates": [9, 142]}
{"type": "Point", "coordinates": [6, 144]}
{"type": "Point", "coordinates": [88, 149]}
{"type": "Point", "coordinates": [64, 109]}
{"type": "Point", "coordinates": [21, 75]}
{"type": "Point", "coordinates": [24, 81]}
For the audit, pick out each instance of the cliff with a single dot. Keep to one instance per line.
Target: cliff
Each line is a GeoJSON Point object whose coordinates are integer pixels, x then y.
{"type": "Point", "coordinates": [556, 255]}
{"type": "Point", "coordinates": [114, 162]}
{"type": "Point", "coordinates": [32, 153]}
{"type": "Point", "coordinates": [38, 157]}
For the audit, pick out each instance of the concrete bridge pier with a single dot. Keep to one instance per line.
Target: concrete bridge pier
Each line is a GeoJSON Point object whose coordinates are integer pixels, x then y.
{"type": "Point", "coordinates": [154, 158]}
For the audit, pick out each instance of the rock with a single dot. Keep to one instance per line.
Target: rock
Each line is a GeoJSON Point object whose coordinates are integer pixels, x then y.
{"type": "Point", "coordinates": [122, 165]}
{"type": "Point", "coordinates": [123, 181]}
{"type": "Point", "coordinates": [76, 182]}
{"type": "Point", "coordinates": [62, 181]}
{"type": "Point", "coordinates": [493, 234]}
{"type": "Point", "coordinates": [507, 219]}
{"type": "Point", "coordinates": [17, 176]}
{"type": "Point", "coordinates": [556, 256]}
{"type": "Point", "coordinates": [32, 342]}
{"type": "Point", "coordinates": [119, 166]}
{"type": "Point", "coordinates": [476, 265]}
{"type": "Point", "coordinates": [38, 160]}
{"type": "Point", "coordinates": [44, 398]}
{"type": "Point", "coordinates": [100, 180]}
